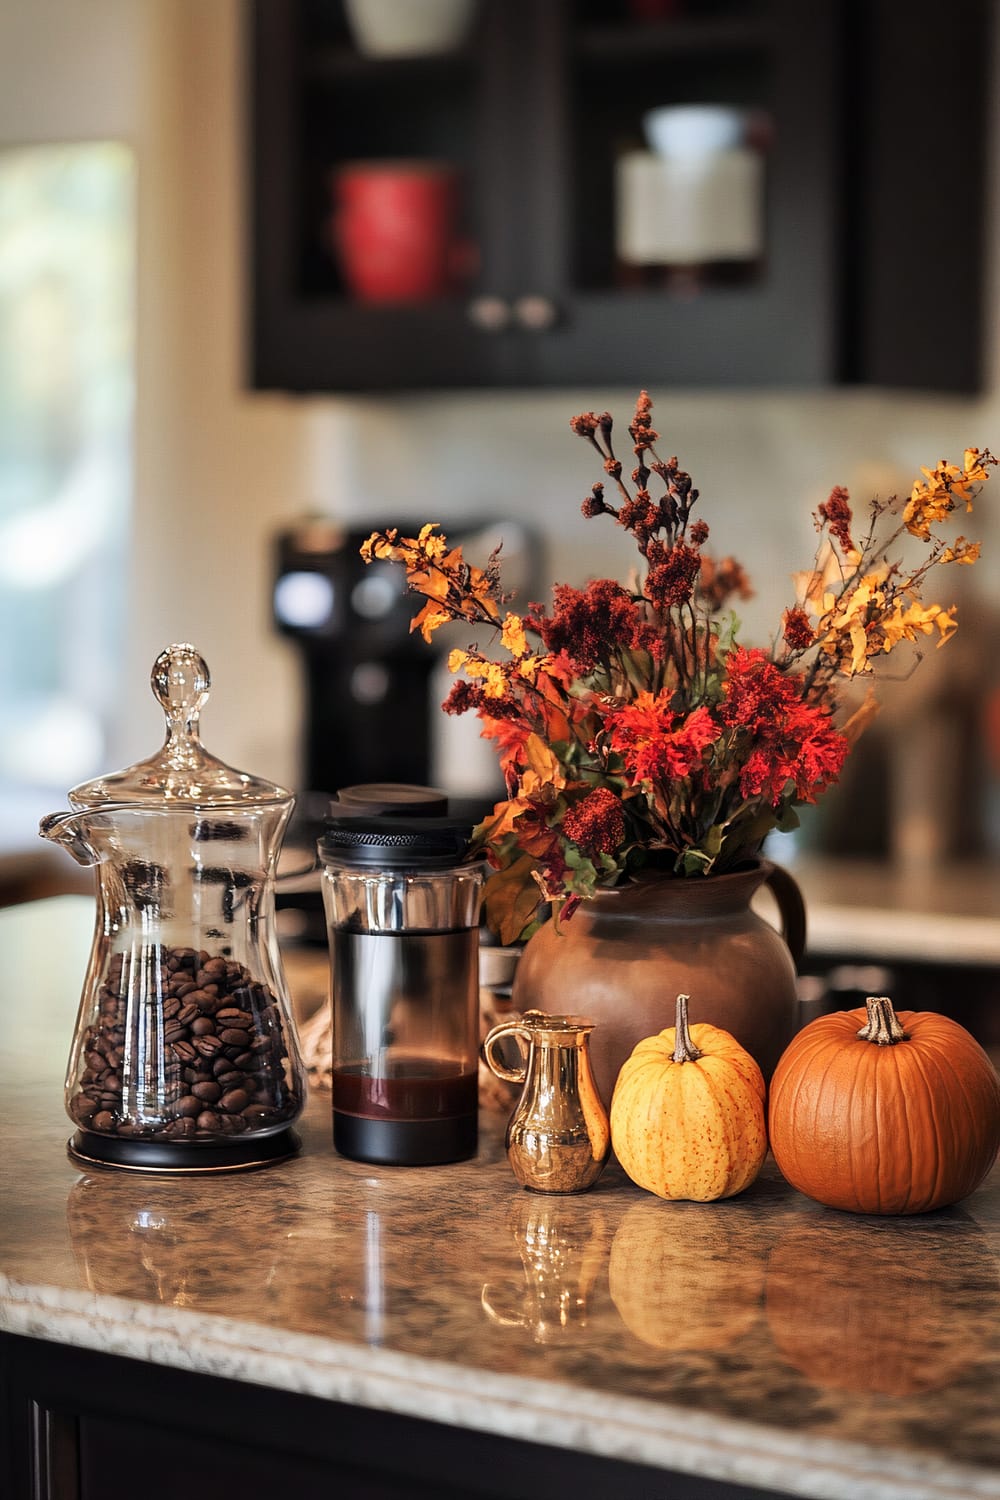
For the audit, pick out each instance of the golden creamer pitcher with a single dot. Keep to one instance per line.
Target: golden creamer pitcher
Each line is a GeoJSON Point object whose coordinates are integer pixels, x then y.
{"type": "Point", "coordinates": [558, 1139]}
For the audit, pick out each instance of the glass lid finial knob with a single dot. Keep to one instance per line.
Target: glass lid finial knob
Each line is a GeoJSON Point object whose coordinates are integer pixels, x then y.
{"type": "Point", "coordinates": [180, 681]}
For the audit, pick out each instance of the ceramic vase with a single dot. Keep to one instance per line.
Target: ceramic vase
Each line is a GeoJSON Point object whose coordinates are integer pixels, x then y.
{"type": "Point", "coordinates": [624, 956]}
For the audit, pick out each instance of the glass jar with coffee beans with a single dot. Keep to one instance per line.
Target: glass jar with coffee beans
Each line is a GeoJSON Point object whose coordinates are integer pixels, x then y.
{"type": "Point", "coordinates": [185, 1057]}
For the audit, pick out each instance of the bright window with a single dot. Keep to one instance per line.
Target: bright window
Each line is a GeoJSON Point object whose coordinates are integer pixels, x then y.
{"type": "Point", "coordinates": [67, 272]}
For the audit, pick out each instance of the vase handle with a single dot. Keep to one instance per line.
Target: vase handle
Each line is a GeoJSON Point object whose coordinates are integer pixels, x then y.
{"type": "Point", "coordinates": [791, 908]}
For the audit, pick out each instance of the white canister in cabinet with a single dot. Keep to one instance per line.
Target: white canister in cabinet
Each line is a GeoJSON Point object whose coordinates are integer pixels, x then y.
{"type": "Point", "coordinates": [689, 210]}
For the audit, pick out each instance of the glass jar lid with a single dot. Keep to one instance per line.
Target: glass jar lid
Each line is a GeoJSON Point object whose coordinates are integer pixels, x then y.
{"type": "Point", "coordinates": [182, 773]}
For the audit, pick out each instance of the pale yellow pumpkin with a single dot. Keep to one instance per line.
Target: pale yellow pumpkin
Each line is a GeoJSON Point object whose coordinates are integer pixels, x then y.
{"type": "Point", "coordinates": [687, 1114]}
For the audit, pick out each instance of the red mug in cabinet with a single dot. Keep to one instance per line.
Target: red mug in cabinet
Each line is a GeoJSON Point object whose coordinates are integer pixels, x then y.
{"type": "Point", "coordinates": [394, 229]}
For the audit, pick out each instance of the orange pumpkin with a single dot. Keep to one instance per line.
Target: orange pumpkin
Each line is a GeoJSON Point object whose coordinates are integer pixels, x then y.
{"type": "Point", "coordinates": [880, 1114]}
{"type": "Point", "coordinates": [687, 1114]}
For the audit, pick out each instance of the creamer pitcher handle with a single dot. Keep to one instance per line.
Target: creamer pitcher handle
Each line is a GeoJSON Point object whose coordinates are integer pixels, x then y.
{"type": "Point", "coordinates": [507, 1028]}
{"type": "Point", "coordinates": [792, 910]}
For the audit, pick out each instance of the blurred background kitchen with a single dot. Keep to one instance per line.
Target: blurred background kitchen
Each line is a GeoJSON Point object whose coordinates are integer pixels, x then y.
{"type": "Point", "coordinates": [189, 368]}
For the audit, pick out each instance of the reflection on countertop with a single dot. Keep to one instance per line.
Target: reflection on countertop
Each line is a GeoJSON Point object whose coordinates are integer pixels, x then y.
{"type": "Point", "coordinates": [763, 1339]}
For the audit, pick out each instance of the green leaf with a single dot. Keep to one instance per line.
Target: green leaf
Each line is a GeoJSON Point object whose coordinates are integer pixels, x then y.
{"type": "Point", "coordinates": [788, 821]}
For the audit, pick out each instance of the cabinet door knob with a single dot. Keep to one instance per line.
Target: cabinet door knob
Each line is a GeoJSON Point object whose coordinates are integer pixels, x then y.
{"type": "Point", "coordinates": [491, 314]}
{"type": "Point", "coordinates": [535, 313]}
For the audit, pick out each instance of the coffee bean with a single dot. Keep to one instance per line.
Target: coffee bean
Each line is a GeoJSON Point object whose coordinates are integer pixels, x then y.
{"type": "Point", "coordinates": [230, 1016]}
{"type": "Point", "coordinates": [82, 1109]}
{"type": "Point", "coordinates": [234, 1036]}
{"type": "Point", "coordinates": [224, 1060]}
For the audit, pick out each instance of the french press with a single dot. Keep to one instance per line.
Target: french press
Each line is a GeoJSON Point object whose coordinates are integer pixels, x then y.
{"type": "Point", "coordinates": [185, 1057]}
{"type": "Point", "coordinates": [402, 891]}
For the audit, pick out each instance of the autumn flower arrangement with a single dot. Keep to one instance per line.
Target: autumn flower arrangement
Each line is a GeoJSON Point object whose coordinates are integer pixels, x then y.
{"type": "Point", "coordinates": [633, 728]}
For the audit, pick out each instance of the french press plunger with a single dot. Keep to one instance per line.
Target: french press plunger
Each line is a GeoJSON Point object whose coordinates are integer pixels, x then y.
{"type": "Point", "coordinates": [185, 1057]}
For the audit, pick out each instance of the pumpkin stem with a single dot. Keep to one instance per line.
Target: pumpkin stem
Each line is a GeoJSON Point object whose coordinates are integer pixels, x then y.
{"type": "Point", "coordinates": [684, 1049]}
{"type": "Point", "coordinates": [882, 1026]}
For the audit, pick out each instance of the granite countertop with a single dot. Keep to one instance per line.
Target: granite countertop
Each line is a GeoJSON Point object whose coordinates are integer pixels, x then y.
{"type": "Point", "coordinates": [763, 1340]}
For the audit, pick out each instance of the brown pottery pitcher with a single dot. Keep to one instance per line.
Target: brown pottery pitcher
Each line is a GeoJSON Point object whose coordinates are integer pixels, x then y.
{"type": "Point", "coordinates": [625, 955]}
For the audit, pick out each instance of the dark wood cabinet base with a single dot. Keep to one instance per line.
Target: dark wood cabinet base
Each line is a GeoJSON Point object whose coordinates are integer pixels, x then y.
{"type": "Point", "coordinates": [75, 1425]}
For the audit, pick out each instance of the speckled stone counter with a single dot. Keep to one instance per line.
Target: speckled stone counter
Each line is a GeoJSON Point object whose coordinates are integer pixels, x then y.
{"type": "Point", "coordinates": [763, 1340]}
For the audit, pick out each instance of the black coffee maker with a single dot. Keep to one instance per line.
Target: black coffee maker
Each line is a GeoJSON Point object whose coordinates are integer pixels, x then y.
{"type": "Point", "coordinates": [367, 677]}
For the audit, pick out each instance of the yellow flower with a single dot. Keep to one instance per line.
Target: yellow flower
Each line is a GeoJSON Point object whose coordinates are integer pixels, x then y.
{"type": "Point", "coordinates": [530, 666]}
{"type": "Point", "coordinates": [380, 546]}
{"type": "Point", "coordinates": [457, 660]}
{"type": "Point", "coordinates": [907, 620]}
{"type": "Point", "coordinates": [851, 616]}
{"type": "Point", "coordinates": [961, 552]}
{"type": "Point", "coordinates": [934, 501]}
{"type": "Point", "coordinates": [430, 618]}
{"type": "Point", "coordinates": [433, 547]}
{"type": "Point", "coordinates": [492, 674]}
{"type": "Point", "coordinates": [513, 636]}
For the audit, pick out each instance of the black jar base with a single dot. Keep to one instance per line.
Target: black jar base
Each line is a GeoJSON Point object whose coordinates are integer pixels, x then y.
{"type": "Point", "coordinates": [406, 1143]}
{"type": "Point", "coordinates": [88, 1149]}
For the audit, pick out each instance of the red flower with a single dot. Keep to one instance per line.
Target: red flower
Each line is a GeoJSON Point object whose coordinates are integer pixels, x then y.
{"type": "Point", "coordinates": [597, 824]}
{"type": "Point", "coordinates": [588, 624]}
{"type": "Point", "coordinates": [797, 630]}
{"type": "Point", "coordinates": [655, 743]}
{"type": "Point", "coordinates": [672, 573]}
{"type": "Point", "coordinates": [792, 741]}
{"type": "Point", "coordinates": [836, 513]}
{"type": "Point", "coordinates": [757, 692]}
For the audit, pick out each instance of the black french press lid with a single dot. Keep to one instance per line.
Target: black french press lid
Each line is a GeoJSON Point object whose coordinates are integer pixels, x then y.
{"type": "Point", "coordinates": [396, 826]}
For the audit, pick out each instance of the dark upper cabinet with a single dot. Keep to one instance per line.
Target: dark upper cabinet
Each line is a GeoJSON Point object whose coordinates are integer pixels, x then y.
{"type": "Point", "coordinates": [870, 121]}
